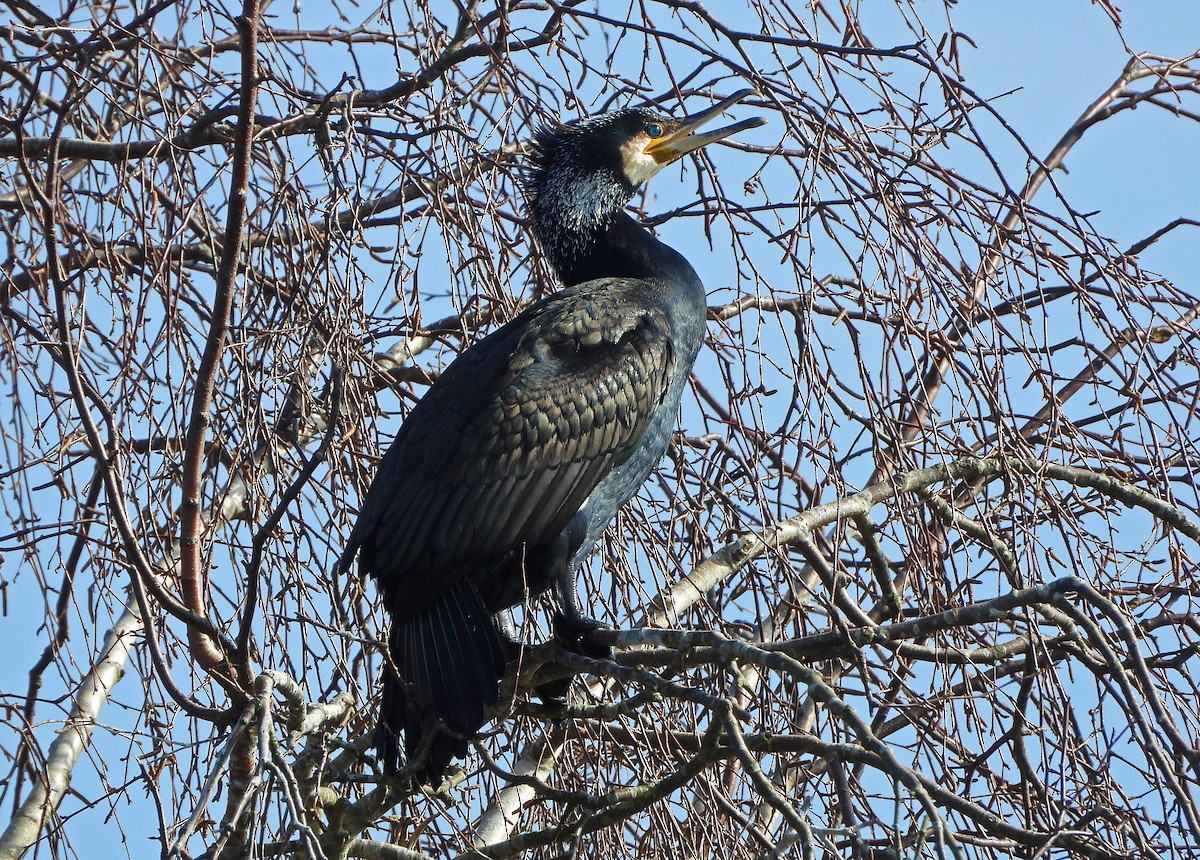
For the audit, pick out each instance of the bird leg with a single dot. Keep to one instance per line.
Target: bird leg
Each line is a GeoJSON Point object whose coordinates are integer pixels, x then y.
{"type": "Point", "coordinates": [510, 636]}
{"type": "Point", "coordinates": [572, 627]}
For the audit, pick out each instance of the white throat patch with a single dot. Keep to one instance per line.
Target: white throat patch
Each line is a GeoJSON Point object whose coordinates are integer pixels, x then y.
{"type": "Point", "coordinates": [639, 165]}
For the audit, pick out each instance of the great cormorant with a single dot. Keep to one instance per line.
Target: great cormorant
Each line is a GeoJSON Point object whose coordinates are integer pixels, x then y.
{"type": "Point", "coordinates": [509, 468]}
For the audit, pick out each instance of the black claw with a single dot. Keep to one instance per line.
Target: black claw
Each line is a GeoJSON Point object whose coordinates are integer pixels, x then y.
{"type": "Point", "coordinates": [574, 634]}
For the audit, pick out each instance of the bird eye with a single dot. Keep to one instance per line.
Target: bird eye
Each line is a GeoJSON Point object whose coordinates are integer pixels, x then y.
{"type": "Point", "coordinates": [654, 130]}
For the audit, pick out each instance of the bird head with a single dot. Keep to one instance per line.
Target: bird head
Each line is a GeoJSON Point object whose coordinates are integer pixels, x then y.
{"type": "Point", "coordinates": [582, 175]}
{"type": "Point", "coordinates": [652, 142]}
{"type": "Point", "coordinates": [598, 163]}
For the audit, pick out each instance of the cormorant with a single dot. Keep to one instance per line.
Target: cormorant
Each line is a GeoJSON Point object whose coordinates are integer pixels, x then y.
{"type": "Point", "coordinates": [509, 468]}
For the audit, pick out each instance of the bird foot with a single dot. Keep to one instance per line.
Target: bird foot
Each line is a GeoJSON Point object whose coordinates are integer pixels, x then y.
{"type": "Point", "coordinates": [554, 693]}
{"type": "Point", "coordinates": [575, 634]}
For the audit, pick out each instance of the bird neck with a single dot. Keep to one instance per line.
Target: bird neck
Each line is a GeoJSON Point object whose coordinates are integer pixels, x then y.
{"type": "Point", "coordinates": [618, 247]}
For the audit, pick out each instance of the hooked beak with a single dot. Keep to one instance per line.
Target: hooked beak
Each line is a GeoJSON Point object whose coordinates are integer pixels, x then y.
{"type": "Point", "coordinates": [683, 138]}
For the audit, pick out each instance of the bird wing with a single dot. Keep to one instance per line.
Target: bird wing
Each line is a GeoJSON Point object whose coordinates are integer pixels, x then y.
{"type": "Point", "coordinates": [514, 436]}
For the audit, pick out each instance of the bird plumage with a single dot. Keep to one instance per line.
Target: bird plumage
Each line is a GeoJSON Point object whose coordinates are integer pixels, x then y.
{"type": "Point", "coordinates": [508, 469]}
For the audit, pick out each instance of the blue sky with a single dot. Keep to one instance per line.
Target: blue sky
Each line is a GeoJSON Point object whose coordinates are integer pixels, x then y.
{"type": "Point", "coordinates": [1138, 171]}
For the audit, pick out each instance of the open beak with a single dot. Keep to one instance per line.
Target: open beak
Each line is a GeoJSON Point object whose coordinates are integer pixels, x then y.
{"type": "Point", "coordinates": [683, 138]}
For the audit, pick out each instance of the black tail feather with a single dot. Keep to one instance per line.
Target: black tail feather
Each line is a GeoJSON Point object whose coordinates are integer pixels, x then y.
{"type": "Point", "coordinates": [447, 662]}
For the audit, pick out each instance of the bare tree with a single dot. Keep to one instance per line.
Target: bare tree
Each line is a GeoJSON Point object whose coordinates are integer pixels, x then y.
{"type": "Point", "coordinates": [917, 579]}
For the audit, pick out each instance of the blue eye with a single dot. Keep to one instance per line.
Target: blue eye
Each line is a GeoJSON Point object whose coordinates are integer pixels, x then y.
{"type": "Point", "coordinates": [654, 130]}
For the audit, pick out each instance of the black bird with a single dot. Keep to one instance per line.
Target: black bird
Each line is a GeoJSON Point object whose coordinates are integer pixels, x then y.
{"type": "Point", "coordinates": [509, 468]}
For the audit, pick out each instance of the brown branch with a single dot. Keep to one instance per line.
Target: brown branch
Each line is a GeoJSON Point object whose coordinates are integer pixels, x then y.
{"type": "Point", "coordinates": [193, 579]}
{"type": "Point", "coordinates": [104, 451]}
{"type": "Point", "coordinates": [930, 385]}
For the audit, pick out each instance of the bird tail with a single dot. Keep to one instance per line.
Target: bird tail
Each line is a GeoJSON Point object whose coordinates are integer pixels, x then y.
{"type": "Point", "coordinates": [446, 665]}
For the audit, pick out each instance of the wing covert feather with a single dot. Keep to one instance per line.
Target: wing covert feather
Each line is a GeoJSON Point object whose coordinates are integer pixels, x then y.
{"type": "Point", "coordinates": [518, 432]}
